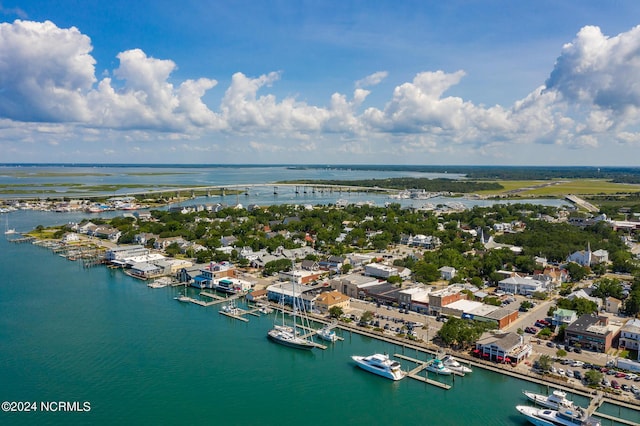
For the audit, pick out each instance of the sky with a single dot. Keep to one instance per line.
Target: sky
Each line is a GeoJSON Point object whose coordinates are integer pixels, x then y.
{"type": "Point", "coordinates": [457, 82]}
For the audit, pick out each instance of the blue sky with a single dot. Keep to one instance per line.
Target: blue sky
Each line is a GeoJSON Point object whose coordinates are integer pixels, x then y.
{"type": "Point", "coordinates": [307, 82]}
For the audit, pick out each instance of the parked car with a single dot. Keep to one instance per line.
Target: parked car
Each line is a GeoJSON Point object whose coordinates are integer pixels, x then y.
{"type": "Point", "coordinates": [615, 384]}
{"type": "Point", "coordinates": [577, 350]}
{"type": "Point", "coordinates": [577, 374]}
{"type": "Point", "coordinates": [577, 364]}
{"type": "Point", "coordinates": [605, 382]}
{"type": "Point", "coordinates": [531, 330]}
{"type": "Point", "coordinates": [544, 323]}
{"type": "Point", "coordinates": [569, 373]}
{"type": "Point", "coordinates": [550, 344]}
{"type": "Point", "coordinates": [620, 375]}
{"type": "Point", "coordinates": [625, 387]}
{"type": "Point", "coordinates": [631, 376]}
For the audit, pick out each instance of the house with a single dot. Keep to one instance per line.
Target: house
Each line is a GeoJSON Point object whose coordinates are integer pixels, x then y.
{"type": "Point", "coordinates": [447, 272]}
{"type": "Point", "coordinates": [503, 347]}
{"type": "Point", "coordinates": [563, 317]}
{"type": "Point", "coordinates": [599, 256]}
{"type": "Point", "coordinates": [256, 295]}
{"type": "Point", "coordinates": [591, 332]}
{"type": "Point", "coordinates": [612, 305]}
{"type": "Point", "coordinates": [332, 263]}
{"type": "Point", "coordinates": [630, 336]}
{"type": "Point", "coordinates": [309, 265]}
{"type": "Point", "coordinates": [329, 299]}
{"type": "Point", "coordinates": [521, 285]}
{"type": "Point", "coordinates": [422, 241]}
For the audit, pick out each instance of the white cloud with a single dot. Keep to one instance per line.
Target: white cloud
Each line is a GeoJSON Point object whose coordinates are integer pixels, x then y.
{"type": "Point", "coordinates": [47, 76]}
{"type": "Point", "coordinates": [372, 80]}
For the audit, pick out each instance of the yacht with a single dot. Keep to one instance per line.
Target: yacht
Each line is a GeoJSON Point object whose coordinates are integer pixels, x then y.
{"type": "Point", "coordinates": [381, 365]}
{"type": "Point", "coordinates": [437, 366]}
{"type": "Point", "coordinates": [563, 417]}
{"type": "Point", "coordinates": [287, 336]}
{"type": "Point", "coordinates": [183, 298]}
{"type": "Point", "coordinates": [557, 399]}
{"type": "Point", "coordinates": [452, 364]}
{"type": "Point", "coordinates": [328, 334]}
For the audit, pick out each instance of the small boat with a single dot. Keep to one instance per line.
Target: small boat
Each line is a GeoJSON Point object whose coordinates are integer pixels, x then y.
{"type": "Point", "coordinates": [231, 308]}
{"type": "Point", "coordinates": [328, 334]}
{"type": "Point", "coordinates": [182, 298]}
{"type": "Point", "coordinates": [381, 365]}
{"type": "Point", "coordinates": [452, 364]}
{"type": "Point", "coordinates": [7, 230]}
{"type": "Point", "coordinates": [437, 366]}
{"type": "Point", "coordinates": [563, 417]}
{"type": "Point", "coordinates": [557, 399]}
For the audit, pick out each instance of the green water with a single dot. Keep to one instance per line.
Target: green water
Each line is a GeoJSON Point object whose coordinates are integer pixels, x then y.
{"type": "Point", "coordinates": [140, 357]}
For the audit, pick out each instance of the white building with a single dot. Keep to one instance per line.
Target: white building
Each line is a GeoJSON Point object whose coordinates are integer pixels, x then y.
{"type": "Point", "coordinates": [379, 270]}
{"type": "Point", "coordinates": [521, 285]}
{"type": "Point", "coordinates": [447, 272]}
{"type": "Point", "coordinates": [630, 336]}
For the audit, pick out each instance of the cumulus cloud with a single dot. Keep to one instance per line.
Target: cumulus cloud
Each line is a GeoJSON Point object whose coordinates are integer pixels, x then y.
{"type": "Point", "coordinates": [47, 76]}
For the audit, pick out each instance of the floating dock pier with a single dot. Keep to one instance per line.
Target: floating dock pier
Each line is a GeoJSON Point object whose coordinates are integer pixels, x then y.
{"type": "Point", "coordinates": [422, 365]}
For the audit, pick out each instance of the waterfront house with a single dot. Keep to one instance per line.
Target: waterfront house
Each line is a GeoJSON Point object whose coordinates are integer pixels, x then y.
{"type": "Point", "coordinates": [145, 270]}
{"type": "Point", "coordinates": [288, 292]}
{"type": "Point", "coordinates": [329, 299]}
{"type": "Point", "coordinates": [121, 253]}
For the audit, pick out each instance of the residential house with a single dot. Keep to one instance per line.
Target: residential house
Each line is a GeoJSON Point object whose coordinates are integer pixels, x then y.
{"type": "Point", "coordinates": [447, 272]}
{"type": "Point", "coordinates": [630, 336]}
{"type": "Point", "coordinates": [612, 305]}
{"type": "Point", "coordinates": [563, 317]}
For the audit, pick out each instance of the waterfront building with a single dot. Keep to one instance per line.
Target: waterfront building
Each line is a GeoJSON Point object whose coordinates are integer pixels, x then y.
{"type": "Point", "coordinates": [300, 276]}
{"type": "Point", "coordinates": [503, 347]}
{"type": "Point", "coordinates": [145, 270]}
{"type": "Point", "coordinates": [415, 298]}
{"type": "Point", "coordinates": [472, 310]}
{"type": "Point", "coordinates": [329, 299]}
{"type": "Point", "coordinates": [121, 253]}
{"type": "Point", "coordinates": [288, 292]}
{"type": "Point", "coordinates": [591, 332]}
{"type": "Point", "coordinates": [211, 272]}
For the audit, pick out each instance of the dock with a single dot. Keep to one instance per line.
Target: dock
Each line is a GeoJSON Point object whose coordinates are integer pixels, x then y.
{"type": "Point", "coordinates": [421, 365]}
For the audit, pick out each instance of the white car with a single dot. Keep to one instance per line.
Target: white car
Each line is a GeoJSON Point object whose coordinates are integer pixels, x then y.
{"type": "Point", "coordinates": [631, 376]}
{"type": "Point", "coordinates": [561, 371]}
{"type": "Point", "coordinates": [577, 364]}
{"type": "Point", "coordinates": [569, 373]}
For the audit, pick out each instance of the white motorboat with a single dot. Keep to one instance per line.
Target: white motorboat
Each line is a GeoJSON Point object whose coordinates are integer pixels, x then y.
{"type": "Point", "coordinates": [452, 364]}
{"type": "Point", "coordinates": [381, 365]}
{"type": "Point", "coordinates": [328, 334]}
{"type": "Point", "coordinates": [562, 417]}
{"type": "Point", "coordinates": [437, 366]}
{"type": "Point", "coordinates": [557, 399]}
{"type": "Point", "coordinates": [183, 298]}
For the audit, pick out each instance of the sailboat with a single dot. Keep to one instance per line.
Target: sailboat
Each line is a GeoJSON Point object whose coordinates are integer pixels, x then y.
{"type": "Point", "coordinates": [289, 335]}
{"type": "Point", "coordinates": [7, 230]}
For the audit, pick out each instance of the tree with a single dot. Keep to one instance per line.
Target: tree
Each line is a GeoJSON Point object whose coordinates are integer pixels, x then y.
{"type": "Point", "coordinates": [366, 316]}
{"type": "Point", "coordinates": [576, 271]}
{"type": "Point", "coordinates": [561, 353]}
{"type": "Point", "coordinates": [545, 362]}
{"type": "Point", "coordinates": [336, 312]}
{"type": "Point", "coordinates": [593, 377]}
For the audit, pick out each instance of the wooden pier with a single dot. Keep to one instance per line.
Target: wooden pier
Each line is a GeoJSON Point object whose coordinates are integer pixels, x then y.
{"type": "Point", "coordinates": [422, 365]}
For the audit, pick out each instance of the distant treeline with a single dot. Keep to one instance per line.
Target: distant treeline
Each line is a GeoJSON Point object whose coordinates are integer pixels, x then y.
{"type": "Point", "coordinates": [429, 185]}
{"type": "Point", "coordinates": [616, 174]}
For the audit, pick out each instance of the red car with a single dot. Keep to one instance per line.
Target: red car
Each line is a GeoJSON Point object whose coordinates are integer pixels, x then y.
{"type": "Point", "coordinates": [620, 375]}
{"type": "Point", "coordinates": [544, 322]}
{"type": "Point", "coordinates": [615, 384]}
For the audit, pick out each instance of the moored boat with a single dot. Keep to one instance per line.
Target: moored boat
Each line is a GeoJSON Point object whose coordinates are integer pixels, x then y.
{"type": "Point", "coordinates": [328, 334]}
{"type": "Point", "coordinates": [436, 366]}
{"type": "Point", "coordinates": [381, 365]}
{"type": "Point", "coordinates": [564, 417]}
{"type": "Point", "coordinates": [557, 399]}
{"type": "Point", "coordinates": [452, 364]}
